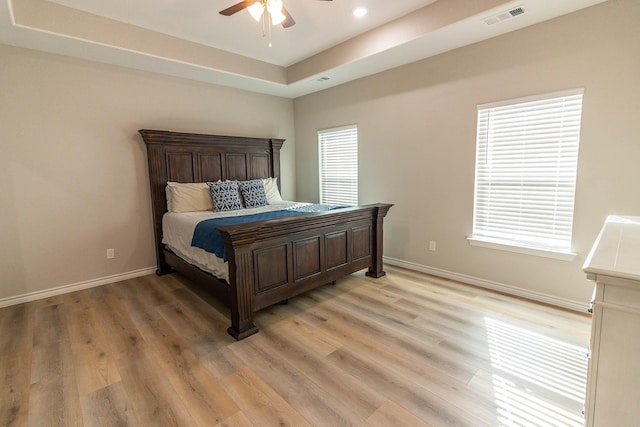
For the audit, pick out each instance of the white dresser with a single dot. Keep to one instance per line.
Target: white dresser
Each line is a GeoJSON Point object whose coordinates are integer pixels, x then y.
{"type": "Point", "coordinates": [613, 386]}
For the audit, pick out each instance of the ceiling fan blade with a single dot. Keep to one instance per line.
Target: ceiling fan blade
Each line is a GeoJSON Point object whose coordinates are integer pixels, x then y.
{"type": "Point", "coordinates": [237, 7]}
{"type": "Point", "coordinates": [288, 20]}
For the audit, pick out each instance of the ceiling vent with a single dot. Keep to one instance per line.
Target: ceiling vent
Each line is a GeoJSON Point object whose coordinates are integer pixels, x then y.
{"type": "Point", "coordinates": [503, 16]}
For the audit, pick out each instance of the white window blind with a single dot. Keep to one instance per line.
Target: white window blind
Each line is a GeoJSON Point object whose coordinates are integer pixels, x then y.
{"type": "Point", "coordinates": [526, 163]}
{"type": "Point", "coordinates": [339, 165]}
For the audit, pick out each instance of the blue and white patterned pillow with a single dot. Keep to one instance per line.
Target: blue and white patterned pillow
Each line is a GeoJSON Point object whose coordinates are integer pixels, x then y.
{"type": "Point", "coordinates": [224, 196]}
{"type": "Point", "coordinates": [253, 193]}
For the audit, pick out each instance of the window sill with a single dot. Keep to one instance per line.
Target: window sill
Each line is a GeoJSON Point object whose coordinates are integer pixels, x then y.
{"type": "Point", "coordinates": [509, 247]}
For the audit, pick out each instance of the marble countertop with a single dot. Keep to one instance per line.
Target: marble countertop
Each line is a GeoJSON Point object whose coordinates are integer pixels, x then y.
{"type": "Point", "coordinates": [616, 251]}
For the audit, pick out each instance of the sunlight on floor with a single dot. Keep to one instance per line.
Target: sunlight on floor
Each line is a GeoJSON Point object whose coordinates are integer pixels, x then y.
{"type": "Point", "coordinates": [550, 368]}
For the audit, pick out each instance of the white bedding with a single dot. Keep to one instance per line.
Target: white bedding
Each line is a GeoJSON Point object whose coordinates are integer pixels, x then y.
{"type": "Point", "coordinates": [177, 233]}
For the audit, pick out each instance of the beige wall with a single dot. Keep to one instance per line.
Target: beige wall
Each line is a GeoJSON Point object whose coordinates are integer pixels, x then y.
{"type": "Point", "coordinates": [417, 142]}
{"type": "Point", "coordinates": [73, 174]}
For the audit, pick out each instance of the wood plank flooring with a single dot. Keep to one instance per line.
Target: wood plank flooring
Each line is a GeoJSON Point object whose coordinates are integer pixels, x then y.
{"type": "Point", "coordinates": [404, 350]}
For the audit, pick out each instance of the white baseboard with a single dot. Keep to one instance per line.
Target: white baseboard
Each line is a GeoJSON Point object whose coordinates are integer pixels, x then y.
{"type": "Point", "coordinates": [463, 278]}
{"type": "Point", "coordinates": [488, 284]}
{"type": "Point", "coordinates": [47, 293]}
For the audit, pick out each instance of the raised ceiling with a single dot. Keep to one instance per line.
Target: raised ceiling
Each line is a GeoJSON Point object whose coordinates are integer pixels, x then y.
{"type": "Point", "coordinates": [327, 46]}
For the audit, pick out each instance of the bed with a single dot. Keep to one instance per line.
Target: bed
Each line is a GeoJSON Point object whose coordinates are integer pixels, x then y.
{"type": "Point", "coordinates": [269, 261]}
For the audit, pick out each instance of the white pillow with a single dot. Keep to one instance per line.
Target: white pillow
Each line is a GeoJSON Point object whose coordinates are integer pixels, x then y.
{"type": "Point", "coordinates": [271, 190]}
{"type": "Point", "coordinates": [188, 197]}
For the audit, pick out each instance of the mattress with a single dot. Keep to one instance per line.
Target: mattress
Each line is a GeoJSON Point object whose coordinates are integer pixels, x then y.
{"type": "Point", "coordinates": [178, 228]}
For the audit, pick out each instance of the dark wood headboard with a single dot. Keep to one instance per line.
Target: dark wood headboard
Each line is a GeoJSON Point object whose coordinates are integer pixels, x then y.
{"type": "Point", "coordinates": [189, 157]}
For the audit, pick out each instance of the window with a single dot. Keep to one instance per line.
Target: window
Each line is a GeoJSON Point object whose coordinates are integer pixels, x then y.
{"type": "Point", "coordinates": [339, 165]}
{"type": "Point", "coordinates": [526, 163]}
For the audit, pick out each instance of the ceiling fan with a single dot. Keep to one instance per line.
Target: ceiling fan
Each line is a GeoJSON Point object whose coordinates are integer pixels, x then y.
{"type": "Point", "coordinates": [278, 14]}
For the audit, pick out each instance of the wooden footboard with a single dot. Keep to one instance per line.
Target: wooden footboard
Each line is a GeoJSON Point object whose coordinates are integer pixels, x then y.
{"type": "Point", "coordinates": [271, 261]}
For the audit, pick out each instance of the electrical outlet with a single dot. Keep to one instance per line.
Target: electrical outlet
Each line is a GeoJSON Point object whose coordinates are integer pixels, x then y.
{"type": "Point", "coordinates": [111, 253]}
{"type": "Point", "coordinates": [432, 245]}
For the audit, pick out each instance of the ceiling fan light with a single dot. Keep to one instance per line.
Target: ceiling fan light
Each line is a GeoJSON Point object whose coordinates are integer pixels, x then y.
{"type": "Point", "coordinates": [277, 17]}
{"type": "Point", "coordinates": [275, 5]}
{"type": "Point", "coordinates": [275, 10]}
{"type": "Point", "coordinates": [256, 10]}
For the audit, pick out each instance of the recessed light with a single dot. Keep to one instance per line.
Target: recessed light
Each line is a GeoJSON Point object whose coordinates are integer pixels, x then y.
{"type": "Point", "coordinates": [359, 12]}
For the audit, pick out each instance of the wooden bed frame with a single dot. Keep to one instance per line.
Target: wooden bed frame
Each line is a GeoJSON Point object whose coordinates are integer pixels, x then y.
{"type": "Point", "coordinates": [269, 261]}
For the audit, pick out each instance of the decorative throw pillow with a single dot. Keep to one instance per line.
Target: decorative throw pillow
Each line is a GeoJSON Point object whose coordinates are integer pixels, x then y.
{"type": "Point", "coordinates": [224, 196]}
{"type": "Point", "coordinates": [253, 193]}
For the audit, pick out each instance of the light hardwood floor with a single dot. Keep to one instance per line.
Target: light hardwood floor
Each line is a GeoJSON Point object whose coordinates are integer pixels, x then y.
{"type": "Point", "coordinates": [405, 349]}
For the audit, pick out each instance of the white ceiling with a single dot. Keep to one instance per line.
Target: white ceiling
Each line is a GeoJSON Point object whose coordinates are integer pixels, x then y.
{"type": "Point", "coordinates": [319, 24]}
{"type": "Point", "coordinates": [189, 38]}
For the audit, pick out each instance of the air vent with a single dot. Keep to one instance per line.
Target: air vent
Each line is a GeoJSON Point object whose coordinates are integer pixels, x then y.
{"type": "Point", "coordinates": [517, 11]}
{"type": "Point", "coordinates": [503, 16]}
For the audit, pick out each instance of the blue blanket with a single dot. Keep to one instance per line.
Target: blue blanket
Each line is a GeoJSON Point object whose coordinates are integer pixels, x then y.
{"type": "Point", "coordinates": [205, 235]}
